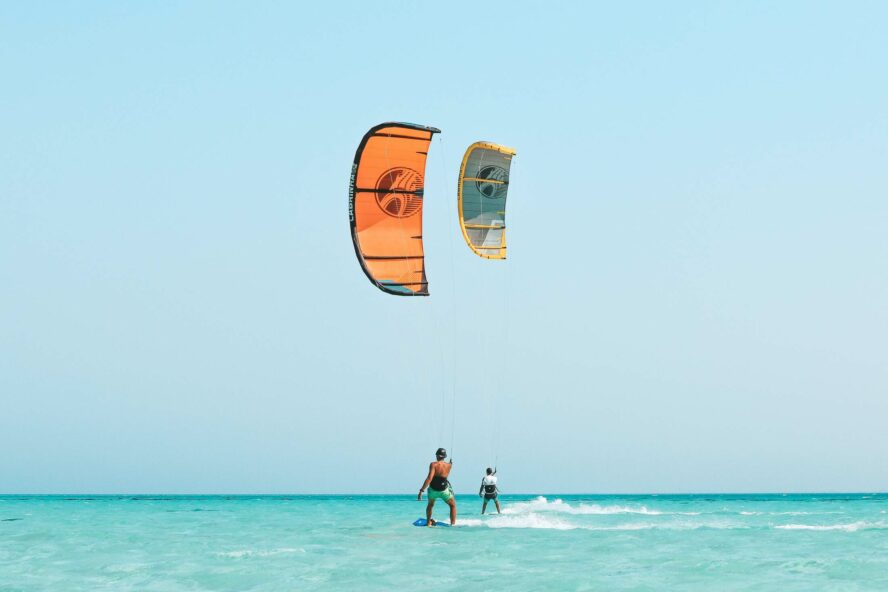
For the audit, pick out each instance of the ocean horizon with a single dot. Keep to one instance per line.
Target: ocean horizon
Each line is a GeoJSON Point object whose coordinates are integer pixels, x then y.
{"type": "Point", "coordinates": [173, 542]}
{"type": "Point", "coordinates": [144, 495]}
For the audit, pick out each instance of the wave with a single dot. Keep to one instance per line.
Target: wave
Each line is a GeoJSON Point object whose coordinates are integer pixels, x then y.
{"type": "Point", "coordinates": [524, 521]}
{"type": "Point", "coordinates": [851, 527]}
{"type": "Point", "coordinates": [556, 514]}
{"type": "Point", "coordinates": [745, 513]}
{"type": "Point", "coordinates": [538, 521]}
{"type": "Point", "coordinates": [260, 553]}
{"type": "Point", "coordinates": [541, 504]}
{"type": "Point", "coordinates": [553, 523]}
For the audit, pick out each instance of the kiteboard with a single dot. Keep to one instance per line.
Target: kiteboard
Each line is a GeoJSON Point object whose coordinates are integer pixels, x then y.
{"type": "Point", "coordinates": [424, 522]}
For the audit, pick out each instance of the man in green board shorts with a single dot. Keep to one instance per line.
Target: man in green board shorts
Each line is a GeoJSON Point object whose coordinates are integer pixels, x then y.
{"type": "Point", "coordinates": [439, 486]}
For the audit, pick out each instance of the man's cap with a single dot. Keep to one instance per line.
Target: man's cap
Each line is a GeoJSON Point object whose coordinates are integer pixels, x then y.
{"type": "Point", "coordinates": [441, 453]}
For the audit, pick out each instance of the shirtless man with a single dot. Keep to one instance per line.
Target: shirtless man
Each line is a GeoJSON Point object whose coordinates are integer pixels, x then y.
{"type": "Point", "coordinates": [439, 487]}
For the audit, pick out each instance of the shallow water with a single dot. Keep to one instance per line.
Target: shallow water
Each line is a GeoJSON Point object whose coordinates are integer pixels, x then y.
{"type": "Point", "coordinates": [576, 542]}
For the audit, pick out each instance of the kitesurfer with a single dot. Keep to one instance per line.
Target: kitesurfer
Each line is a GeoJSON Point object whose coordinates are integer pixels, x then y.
{"type": "Point", "coordinates": [439, 487]}
{"type": "Point", "coordinates": [489, 490]}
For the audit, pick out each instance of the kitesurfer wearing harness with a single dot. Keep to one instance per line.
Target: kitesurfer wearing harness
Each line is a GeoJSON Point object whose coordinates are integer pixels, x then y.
{"type": "Point", "coordinates": [439, 487]}
{"type": "Point", "coordinates": [489, 490]}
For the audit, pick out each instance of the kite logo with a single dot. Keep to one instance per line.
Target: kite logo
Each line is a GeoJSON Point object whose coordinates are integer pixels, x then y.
{"type": "Point", "coordinates": [351, 193]}
{"type": "Point", "coordinates": [496, 187]}
{"type": "Point", "coordinates": [399, 192]}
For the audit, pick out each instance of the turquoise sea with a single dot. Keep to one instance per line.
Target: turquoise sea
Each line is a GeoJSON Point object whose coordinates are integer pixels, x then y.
{"type": "Point", "coordinates": [551, 542]}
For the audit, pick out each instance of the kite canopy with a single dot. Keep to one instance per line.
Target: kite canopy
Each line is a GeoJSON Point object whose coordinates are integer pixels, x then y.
{"type": "Point", "coordinates": [483, 185]}
{"type": "Point", "coordinates": [385, 197]}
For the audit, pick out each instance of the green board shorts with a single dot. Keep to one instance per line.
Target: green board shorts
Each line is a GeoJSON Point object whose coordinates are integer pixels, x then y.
{"type": "Point", "coordinates": [445, 495]}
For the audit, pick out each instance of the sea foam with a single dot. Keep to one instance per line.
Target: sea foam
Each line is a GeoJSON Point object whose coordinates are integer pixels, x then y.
{"type": "Point", "coordinates": [541, 504]}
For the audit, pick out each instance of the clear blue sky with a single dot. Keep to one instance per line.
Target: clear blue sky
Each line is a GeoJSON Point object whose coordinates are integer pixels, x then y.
{"type": "Point", "coordinates": [696, 291]}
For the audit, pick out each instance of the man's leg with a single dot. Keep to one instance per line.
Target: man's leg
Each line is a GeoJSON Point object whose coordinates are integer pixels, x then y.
{"type": "Point", "coordinates": [484, 506]}
{"type": "Point", "coordinates": [496, 501]}
{"type": "Point", "coordinates": [429, 507]}
{"type": "Point", "coordinates": [452, 503]}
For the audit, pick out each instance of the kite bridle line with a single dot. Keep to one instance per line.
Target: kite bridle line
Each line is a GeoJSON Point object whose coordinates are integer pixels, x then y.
{"type": "Point", "coordinates": [418, 335]}
{"type": "Point", "coordinates": [501, 390]}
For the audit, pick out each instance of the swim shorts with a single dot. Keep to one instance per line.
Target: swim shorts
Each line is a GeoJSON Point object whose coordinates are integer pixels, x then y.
{"type": "Point", "coordinates": [445, 495]}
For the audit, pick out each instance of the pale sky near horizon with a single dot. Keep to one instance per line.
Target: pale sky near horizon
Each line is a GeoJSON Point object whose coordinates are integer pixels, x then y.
{"type": "Point", "coordinates": [695, 298]}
